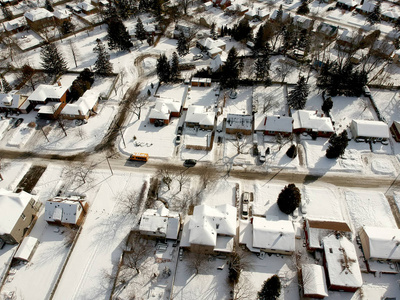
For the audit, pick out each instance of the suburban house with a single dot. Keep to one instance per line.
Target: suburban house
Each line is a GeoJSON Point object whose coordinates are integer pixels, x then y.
{"type": "Point", "coordinates": [212, 47]}
{"type": "Point", "coordinates": [312, 123]}
{"type": "Point", "coordinates": [395, 130]}
{"type": "Point", "coordinates": [275, 236]}
{"type": "Point", "coordinates": [383, 48]}
{"type": "Point", "coordinates": [380, 243]}
{"type": "Point", "coordinates": [82, 108]}
{"type": "Point", "coordinates": [303, 22]}
{"type": "Point", "coordinates": [149, 28]}
{"type": "Point", "coordinates": [210, 229]}
{"type": "Point", "coordinates": [196, 81]}
{"type": "Point", "coordinates": [257, 14]}
{"type": "Point", "coordinates": [366, 8]}
{"type": "Point", "coordinates": [39, 18]}
{"type": "Point", "coordinates": [222, 3]}
{"type": "Point", "coordinates": [314, 281]}
{"type": "Point", "coordinates": [347, 4]}
{"type": "Point", "coordinates": [341, 264]}
{"type": "Point", "coordinates": [327, 31]}
{"type": "Point", "coordinates": [363, 130]}
{"type": "Point", "coordinates": [197, 117]}
{"type": "Point", "coordinates": [186, 29]}
{"type": "Point", "coordinates": [315, 230]}
{"type": "Point", "coordinates": [273, 125]}
{"type": "Point", "coordinates": [285, 16]}
{"type": "Point", "coordinates": [349, 40]}
{"type": "Point", "coordinates": [17, 211]}
{"type": "Point", "coordinates": [26, 249]}
{"type": "Point", "coordinates": [237, 9]}
{"type": "Point", "coordinates": [44, 94]}
{"type": "Point", "coordinates": [15, 25]}
{"type": "Point", "coordinates": [163, 110]}
{"type": "Point", "coordinates": [13, 102]}
{"type": "Point", "coordinates": [65, 211]}
{"type": "Point", "coordinates": [160, 223]}
{"type": "Point", "coordinates": [239, 124]}
{"type": "Point", "coordinates": [61, 16]}
{"type": "Point", "coordinates": [87, 8]}
{"type": "Point", "coordinates": [390, 15]}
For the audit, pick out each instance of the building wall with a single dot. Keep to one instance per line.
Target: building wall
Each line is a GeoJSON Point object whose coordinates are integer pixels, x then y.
{"type": "Point", "coordinates": [283, 252]}
{"type": "Point", "coordinates": [395, 133]}
{"type": "Point", "coordinates": [365, 243]}
{"type": "Point", "coordinates": [201, 249]}
{"type": "Point", "coordinates": [166, 122]}
{"type": "Point", "coordinates": [236, 130]}
{"type": "Point", "coordinates": [19, 230]}
{"type": "Point", "coordinates": [39, 24]}
{"type": "Point", "coordinates": [274, 133]}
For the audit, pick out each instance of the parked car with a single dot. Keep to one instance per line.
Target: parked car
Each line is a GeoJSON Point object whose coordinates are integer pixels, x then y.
{"type": "Point", "coordinates": [197, 56]}
{"type": "Point", "coordinates": [177, 140]}
{"type": "Point", "coordinates": [261, 158]}
{"type": "Point", "coordinates": [18, 122]}
{"type": "Point", "coordinates": [246, 197]}
{"type": "Point", "coordinates": [180, 130]}
{"type": "Point", "coordinates": [189, 163]}
{"type": "Point", "coordinates": [366, 91]}
{"type": "Point", "coordinates": [245, 211]}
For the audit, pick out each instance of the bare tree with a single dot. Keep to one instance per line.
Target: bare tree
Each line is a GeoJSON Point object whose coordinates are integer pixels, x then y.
{"type": "Point", "coordinates": [81, 133]}
{"type": "Point", "coordinates": [185, 5]}
{"type": "Point", "coordinates": [167, 174]}
{"type": "Point", "coordinates": [139, 249]}
{"type": "Point", "coordinates": [269, 102]}
{"type": "Point", "coordinates": [239, 144]}
{"type": "Point", "coordinates": [243, 289]}
{"type": "Point", "coordinates": [197, 262]}
{"type": "Point", "coordinates": [284, 68]}
{"type": "Point", "coordinates": [182, 178]}
{"type": "Point", "coordinates": [80, 172]}
{"type": "Point", "coordinates": [138, 104]}
{"type": "Point", "coordinates": [189, 197]}
{"type": "Point", "coordinates": [73, 51]}
{"type": "Point", "coordinates": [129, 203]}
{"type": "Point", "coordinates": [207, 176]}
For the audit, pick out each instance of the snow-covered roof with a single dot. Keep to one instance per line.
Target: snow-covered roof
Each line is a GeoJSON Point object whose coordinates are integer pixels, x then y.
{"type": "Point", "coordinates": [384, 243]}
{"type": "Point", "coordinates": [278, 123]}
{"type": "Point", "coordinates": [375, 129]}
{"type": "Point", "coordinates": [327, 29]}
{"type": "Point", "coordinates": [15, 23]}
{"type": "Point", "coordinates": [48, 109]}
{"type": "Point", "coordinates": [61, 14]}
{"type": "Point", "coordinates": [277, 234]}
{"type": "Point", "coordinates": [350, 3]}
{"type": "Point", "coordinates": [314, 281]}
{"type": "Point", "coordinates": [235, 121]}
{"type": "Point", "coordinates": [25, 249]}
{"type": "Point", "coordinates": [216, 63]}
{"type": "Point", "coordinates": [392, 14]}
{"type": "Point", "coordinates": [162, 221]}
{"type": "Point", "coordinates": [311, 120]}
{"type": "Point", "coordinates": [209, 43]}
{"type": "Point", "coordinates": [349, 36]}
{"type": "Point", "coordinates": [196, 114]}
{"type": "Point", "coordinates": [383, 47]}
{"type": "Point", "coordinates": [163, 109]}
{"type": "Point", "coordinates": [367, 6]}
{"type": "Point", "coordinates": [302, 21]}
{"type": "Point", "coordinates": [207, 222]}
{"type": "Point", "coordinates": [37, 14]}
{"type": "Point", "coordinates": [10, 100]}
{"type": "Point", "coordinates": [285, 15]}
{"type": "Point", "coordinates": [318, 229]}
{"type": "Point", "coordinates": [82, 106]}
{"type": "Point", "coordinates": [86, 6]}
{"type": "Point", "coordinates": [11, 207]}
{"type": "Point", "coordinates": [64, 210]}
{"type": "Point", "coordinates": [44, 91]}
{"type": "Point", "coordinates": [342, 262]}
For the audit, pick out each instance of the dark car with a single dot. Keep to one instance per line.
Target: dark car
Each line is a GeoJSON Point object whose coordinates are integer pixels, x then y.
{"type": "Point", "coordinates": [189, 163]}
{"type": "Point", "coordinates": [18, 122]}
{"type": "Point", "coordinates": [180, 130]}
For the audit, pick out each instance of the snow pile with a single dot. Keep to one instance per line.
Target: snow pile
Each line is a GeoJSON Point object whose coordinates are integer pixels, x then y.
{"type": "Point", "coordinates": [20, 138]}
{"type": "Point", "coordinates": [383, 166]}
{"type": "Point", "coordinates": [149, 65]}
{"type": "Point", "coordinates": [351, 160]}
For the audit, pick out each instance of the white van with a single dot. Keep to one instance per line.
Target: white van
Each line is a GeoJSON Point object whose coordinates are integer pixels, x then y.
{"type": "Point", "coordinates": [245, 211]}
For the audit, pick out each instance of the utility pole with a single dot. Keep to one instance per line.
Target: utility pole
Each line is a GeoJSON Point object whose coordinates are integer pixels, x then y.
{"type": "Point", "coordinates": [109, 165]}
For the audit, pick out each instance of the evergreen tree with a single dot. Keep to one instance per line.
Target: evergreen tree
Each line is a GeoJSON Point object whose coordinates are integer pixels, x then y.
{"type": "Point", "coordinates": [163, 69]}
{"type": "Point", "coordinates": [175, 73]}
{"type": "Point", "coordinates": [182, 45]}
{"type": "Point", "coordinates": [140, 31]}
{"type": "Point", "coordinates": [338, 144]}
{"type": "Point", "coordinates": [52, 60]}
{"type": "Point", "coordinates": [375, 16]}
{"type": "Point", "coordinates": [230, 71]}
{"type": "Point", "coordinates": [242, 31]}
{"type": "Point", "coordinates": [212, 31]}
{"type": "Point", "coordinates": [8, 15]}
{"type": "Point", "coordinates": [303, 9]}
{"type": "Point", "coordinates": [48, 6]}
{"type": "Point", "coordinates": [5, 86]}
{"type": "Point", "coordinates": [102, 66]}
{"type": "Point", "coordinates": [222, 31]}
{"type": "Point", "coordinates": [298, 96]}
{"type": "Point", "coordinates": [271, 289]}
{"type": "Point", "coordinates": [289, 199]}
{"type": "Point", "coordinates": [262, 67]}
{"type": "Point", "coordinates": [327, 105]}
{"type": "Point", "coordinates": [259, 40]}
{"type": "Point", "coordinates": [125, 8]}
{"type": "Point", "coordinates": [279, 15]}
{"type": "Point", "coordinates": [67, 27]}
{"type": "Point", "coordinates": [118, 36]}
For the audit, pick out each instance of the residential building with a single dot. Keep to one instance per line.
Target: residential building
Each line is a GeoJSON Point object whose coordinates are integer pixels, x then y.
{"type": "Point", "coordinates": [210, 229]}
{"type": "Point", "coordinates": [15, 25]}
{"type": "Point", "coordinates": [163, 110]}
{"type": "Point", "coordinates": [303, 22]}
{"type": "Point", "coordinates": [212, 47]}
{"type": "Point", "coordinates": [349, 40]}
{"type": "Point", "coordinates": [327, 31]}
{"type": "Point", "coordinates": [222, 3]}
{"type": "Point", "coordinates": [314, 281]}
{"type": "Point", "coordinates": [17, 212]}
{"type": "Point", "coordinates": [312, 123]}
{"type": "Point", "coordinates": [383, 48]}
{"type": "Point", "coordinates": [44, 94]}
{"type": "Point", "coordinates": [273, 125]}
{"type": "Point", "coordinates": [61, 16]}
{"type": "Point", "coordinates": [160, 223]}
{"type": "Point", "coordinates": [13, 102]}
{"type": "Point", "coordinates": [39, 18]}
{"type": "Point", "coordinates": [347, 4]}
{"type": "Point", "coordinates": [363, 130]}
{"type": "Point", "coordinates": [65, 210]}
{"type": "Point", "coordinates": [87, 8]}
{"type": "Point", "coordinates": [198, 117]}
{"type": "Point", "coordinates": [395, 130]}
{"type": "Point", "coordinates": [196, 81]}
{"type": "Point", "coordinates": [239, 124]}
{"type": "Point", "coordinates": [285, 16]}
{"type": "Point", "coordinates": [82, 108]}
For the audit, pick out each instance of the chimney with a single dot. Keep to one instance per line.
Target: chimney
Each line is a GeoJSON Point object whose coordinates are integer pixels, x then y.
{"type": "Point", "coordinates": [59, 83]}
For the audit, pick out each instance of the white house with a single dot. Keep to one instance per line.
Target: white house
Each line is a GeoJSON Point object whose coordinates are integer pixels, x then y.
{"type": "Point", "coordinates": [81, 108]}
{"type": "Point", "coordinates": [14, 102]}
{"type": "Point", "coordinates": [160, 223]}
{"type": "Point", "coordinates": [312, 123]}
{"type": "Point", "coordinates": [239, 124]}
{"type": "Point", "coordinates": [213, 47]}
{"type": "Point", "coordinates": [196, 116]}
{"type": "Point", "coordinates": [65, 211]}
{"type": "Point", "coordinates": [369, 130]}
{"type": "Point", "coordinates": [273, 125]}
{"type": "Point", "coordinates": [164, 109]}
{"type": "Point", "coordinates": [210, 229]}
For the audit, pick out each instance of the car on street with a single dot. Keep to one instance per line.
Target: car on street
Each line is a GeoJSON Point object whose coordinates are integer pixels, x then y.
{"type": "Point", "coordinates": [177, 140]}
{"type": "Point", "coordinates": [197, 56]}
{"type": "Point", "coordinates": [189, 163]}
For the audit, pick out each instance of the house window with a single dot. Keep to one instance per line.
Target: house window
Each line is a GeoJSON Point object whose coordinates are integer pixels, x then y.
{"type": "Point", "coordinates": [330, 250]}
{"type": "Point", "coordinates": [23, 217]}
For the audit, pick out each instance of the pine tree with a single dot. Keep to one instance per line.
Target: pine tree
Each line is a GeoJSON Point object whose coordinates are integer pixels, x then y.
{"type": "Point", "coordinates": [271, 289]}
{"type": "Point", "coordinates": [182, 46]}
{"type": "Point", "coordinates": [375, 16]}
{"type": "Point", "coordinates": [259, 40]}
{"type": "Point", "coordinates": [262, 67]}
{"type": "Point", "coordinates": [303, 9]}
{"type": "Point", "coordinates": [230, 71]}
{"type": "Point", "coordinates": [140, 31]}
{"type": "Point", "coordinates": [338, 144]}
{"type": "Point", "coordinates": [48, 6]}
{"type": "Point", "coordinates": [118, 36]}
{"type": "Point", "coordinates": [8, 15]}
{"type": "Point", "coordinates": [102, 66]}
{"type": "Point", "coordinates": [279, 15]}
{"type": "Point", "coordinates": [298, 96]}
{"type": "Point", "coordinates": [289, 199]}
{"type": "Point", "coordinates": [163, 69]}
{"type": "Point", "coordinates": [327, 105]}
{"type": "Point", "coordinates": [5, 86]}
{"type": "Point", "coordinates": [212, 31]}
{"type": "Point", "coordinates": [175, 73]}
{"type": "Point", "coordinates": [52, 60]}
{"type": "Point", "coordinates": [67, 27]}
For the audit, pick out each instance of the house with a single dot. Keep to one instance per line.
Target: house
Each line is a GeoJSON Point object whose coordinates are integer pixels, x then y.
{"type": "Point", "coordinates": [14, 103]}
{"type": "Point", "coordinates": [349, 40]}
{"type": "Point", "coordinates": [15, 25]}
{"type": "Point", "coordinates": [257, 14]}
{"type": "Point", "coordinates": [383, 49]}
{"type": "Point", "coordinates": [186, 29]}
{"type": "Point", "coordinates": [396, 57]}
{"type": "Point", "coordinates": [366, 8]}
{"type": "Point", "coordinates": [239, 124]}
{"type": "Point", "coordinates": [273, 125]}
{"type": "Point", "coordinates": [44, 94]}
{"type": "Point", "coordinates": [196, 81]}
{"type": "Point", "coordinates": [39, 18]}
{"type": "Point", "coordinates": [207, 5]}
{"type": "Point", "coordinates": [303, 22]}
{"type": "Point", "coordinates": [285, 17]}
{"type": "Point", "coordinates": [272, 236]}
{"type": "Point", "coordinates": [316, 229]}
{"type": "Point", "coordinates": [222, 4]}
{"type": "Point", "coordinates": [380, 243]}
{"type": "Point", "coordinates": [341, 264]}
{"type": "Point", "coordinates": [197, 117]}
{"type": "Point", "coordinates": [312, 123]}
{"type": "Point", "coordinates": [87, 8]}
{"type": "Point", "coordinates": [17, 211]}
{"type": "Point", "coordinates": [395, 130]}
{"type": "Point", "coordinates": [237, 9]}
{"type": "Point", "coordinates": [160, 223]}
{"type": "Point", "coordinates": [65, 211]}
{"type": "Point", "coordinates": [390, 15]}
{"type": "Point", "coordinates": [82, 108]}
{"type": "Point", "coordinates": [314, 281]}
{"type": "Point", "coordinates": [363, 130]}
{"type": "Point", "coordinates": [26, 249]}
{"type": "Point", "coordinates": [210, 229]}
{"type": "Point", "coordinates": [212, 47]}
{"type": "Point", "coordinates": [61, 16]}
{"type": "Point", "coordinates": [150, 30]}
{"type": "Point", "coordinates": [347, 4]}
{"type": "Point", "coordinates": [163, 110]}
{"type": "Point", "coordinates": [327, 31]}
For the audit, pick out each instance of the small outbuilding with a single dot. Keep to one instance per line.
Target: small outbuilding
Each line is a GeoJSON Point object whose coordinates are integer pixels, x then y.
{"type": "Point", "coordinates": [160, 223]}
{"type": "Point", "coordinates": [26, 249]}
{"type": "Point", "coordinates": [363, 130]}
{"type": "Point", "coordinates": [314, 281]}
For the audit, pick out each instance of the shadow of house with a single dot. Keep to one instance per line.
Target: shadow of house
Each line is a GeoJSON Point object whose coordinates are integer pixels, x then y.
{"type": "Point", "coordinates": [395, 130]}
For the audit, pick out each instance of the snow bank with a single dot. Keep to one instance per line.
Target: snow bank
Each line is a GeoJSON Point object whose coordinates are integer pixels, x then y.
{"type": "Point", "coordinates": [383, 166]}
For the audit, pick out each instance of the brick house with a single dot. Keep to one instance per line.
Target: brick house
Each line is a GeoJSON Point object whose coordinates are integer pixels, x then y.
{"type": "Point", "coordinates": [39, 18]}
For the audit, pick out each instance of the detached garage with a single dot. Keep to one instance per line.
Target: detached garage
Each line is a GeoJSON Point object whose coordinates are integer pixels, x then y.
{"type": "Point", "coordinates": [314, 281]}
{"type": "Point", "coordinates": [363, 130]}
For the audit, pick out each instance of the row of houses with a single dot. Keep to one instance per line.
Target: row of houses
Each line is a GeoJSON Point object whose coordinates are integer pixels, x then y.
{"type": "Point", "coordinates": [50, 101]}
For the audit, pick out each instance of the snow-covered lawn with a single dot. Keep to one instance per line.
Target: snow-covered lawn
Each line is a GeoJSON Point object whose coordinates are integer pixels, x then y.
{"type": "Point", "coordinates": [277, 96]}
{"type": "Point", "coordinates": [21, 137]}
{"type": "Point", "coordinates": [369, 208]}
{"type": "Point", "coordinates": [219, 192]}
{"type": "Point", "coordinates": [242, 104]}
{"type": "Point", "coordinates": [203, 96]}
{"type": "Point", "coordinates": [177, 92]}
